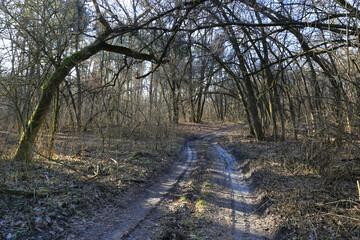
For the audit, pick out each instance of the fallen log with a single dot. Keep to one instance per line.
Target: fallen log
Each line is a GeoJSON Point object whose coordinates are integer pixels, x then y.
{"type": "Point", "coordinates": [132, 180]}
{"type": "Point", "coordinates": [28, 194]}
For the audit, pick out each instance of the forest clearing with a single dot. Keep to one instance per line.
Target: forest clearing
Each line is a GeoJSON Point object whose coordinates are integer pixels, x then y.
{"type": "Point", "coordinates": [198, 119]}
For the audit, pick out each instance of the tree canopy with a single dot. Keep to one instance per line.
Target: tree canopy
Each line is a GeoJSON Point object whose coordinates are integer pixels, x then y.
{"type": "Point", "coordinates": [282, 66]}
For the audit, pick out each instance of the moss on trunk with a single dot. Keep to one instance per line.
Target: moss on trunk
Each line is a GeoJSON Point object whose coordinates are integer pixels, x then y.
{"type": "Point", "coordinates": [24, 151]}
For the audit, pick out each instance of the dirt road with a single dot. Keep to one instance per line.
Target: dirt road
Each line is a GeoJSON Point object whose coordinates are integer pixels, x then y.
{"type": "Point", "coordinates": [236, 210]}
{"type": "Point", "coordinates": [243, 206]}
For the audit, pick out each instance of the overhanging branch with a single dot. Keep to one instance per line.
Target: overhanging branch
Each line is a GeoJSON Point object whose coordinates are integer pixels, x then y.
{"type": "Point", "coordinates": [128, 52]}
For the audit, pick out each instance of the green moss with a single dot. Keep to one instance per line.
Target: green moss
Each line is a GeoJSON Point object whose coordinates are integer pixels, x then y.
{"type": "Point", "coordinates": [27, 140]}
{"type": "Point", "coordinates": [136, 155]}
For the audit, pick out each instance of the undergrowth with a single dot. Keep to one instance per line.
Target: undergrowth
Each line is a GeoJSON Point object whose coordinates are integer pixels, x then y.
{"type": "Point", "coordinates": [53, 193]}
{"type": "Point", "coordinates": [311, 183]}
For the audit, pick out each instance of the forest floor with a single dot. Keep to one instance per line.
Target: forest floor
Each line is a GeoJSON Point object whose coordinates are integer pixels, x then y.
{"type": "Point", "coordinates": [191, 181]}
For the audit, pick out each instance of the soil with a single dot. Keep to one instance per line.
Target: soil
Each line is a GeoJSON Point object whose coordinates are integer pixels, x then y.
{"type": "Point", "coordinates": [176, 206]}
{"type": "Point", "coordinates": [221, 184]}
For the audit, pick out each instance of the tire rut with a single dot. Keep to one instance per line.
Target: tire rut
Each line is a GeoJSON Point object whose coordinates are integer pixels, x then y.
{"type": "Point", "coordinates": [143, 227]}
{"type": "Point", "coordinates": [141, 219]}
{"type": "Point", "coordinates": [244, 224]}
{"type": "Point", "coordinates": [131, 221]}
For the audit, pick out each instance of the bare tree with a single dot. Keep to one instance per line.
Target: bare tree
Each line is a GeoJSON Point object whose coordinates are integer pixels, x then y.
{"type": "Point", "coordinates": [100, 43]}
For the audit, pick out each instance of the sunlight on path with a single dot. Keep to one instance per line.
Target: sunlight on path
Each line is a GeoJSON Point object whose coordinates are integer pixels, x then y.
{"type": "Point", "coordinates": [242, 200]}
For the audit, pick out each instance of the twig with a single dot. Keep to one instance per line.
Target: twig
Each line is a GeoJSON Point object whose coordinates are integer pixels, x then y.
{"type": "Point", "coordinates": [132, 180]}
{"type": "Point", "coordinates": [314, 229]}
{"type": "Point", "coordinates": [29, 194]}
{"type": "Point", "coordinates": [344, 200]}
{"type": "Point", "coordinates": [260, 206]}
{"type": "Point", "coordinates": [337, 215]}
{"type": "Point", "coordinates": [116, 162]}
{"type": "Point", "coordinates": [358, 185]}
{"type": "Point", "coordinates": [61, 163]}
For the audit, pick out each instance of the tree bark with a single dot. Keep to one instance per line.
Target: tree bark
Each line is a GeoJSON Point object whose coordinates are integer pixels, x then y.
{"type": "Point", "coordinates": [54, 121]}
{"type": "Point", "coordinates": [250, 92]}
{"type": "Point", "coordinates": [24, 149]}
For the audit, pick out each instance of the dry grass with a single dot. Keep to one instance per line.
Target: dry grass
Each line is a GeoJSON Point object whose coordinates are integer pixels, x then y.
{"type": "Point", "coordinates": [187, 213]}
{"type": "Point", "coordinates": [95, 168]}
{"type": "Point", "coordinates": [311, 183]}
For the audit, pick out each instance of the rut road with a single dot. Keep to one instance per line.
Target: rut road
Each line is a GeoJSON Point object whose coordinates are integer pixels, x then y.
{"type": "Point", "coordinates": [135, 218]}
{"type": "Point", "coordinates": [241, 200]}
{"type": "Point", "coordinates": [129, 220]}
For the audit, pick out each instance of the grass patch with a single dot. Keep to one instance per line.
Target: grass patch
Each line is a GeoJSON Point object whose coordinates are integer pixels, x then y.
{"type": "Point", "coordinates": [201, 205]}
{"type": "Point", "coordinates": [183, 198]}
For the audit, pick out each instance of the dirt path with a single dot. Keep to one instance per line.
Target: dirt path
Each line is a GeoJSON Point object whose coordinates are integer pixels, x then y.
{"type": "Point", "coordinates": [141, 216]}
{"type": "Point", "coordinates": [239, 197]}
{"type": "Point", "coordinates": [128, 218]}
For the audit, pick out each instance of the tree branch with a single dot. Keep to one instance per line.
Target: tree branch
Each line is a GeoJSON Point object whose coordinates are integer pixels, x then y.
{"type": "Point", "coordinates": [352, 10]}
{"type": "Point", "coordinates": [101, 17]}
{"type": "Point", "coordinates": [128, 52]}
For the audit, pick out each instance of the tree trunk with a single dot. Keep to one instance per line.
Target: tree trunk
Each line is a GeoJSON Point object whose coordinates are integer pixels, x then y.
{"type": "Point", "coordinates": [250, 93]}
{"type": "Point", "coordinates": [24, 150]}
{"type": "Point", "coordinates": [55, 121]}
{"type": "Point", "coordinates": [175, 116]}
